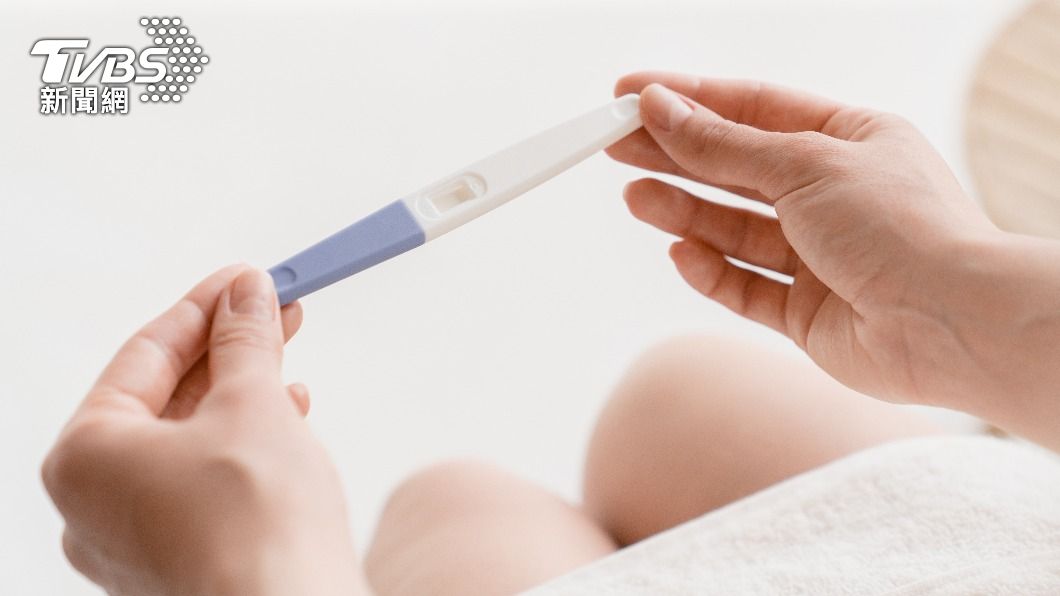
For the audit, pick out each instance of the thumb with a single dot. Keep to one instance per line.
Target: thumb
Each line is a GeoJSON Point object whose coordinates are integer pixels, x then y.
{"type": "Point", "coordinates": [726, 153]}
{"type": "Point", "coordinates": [246, 338]}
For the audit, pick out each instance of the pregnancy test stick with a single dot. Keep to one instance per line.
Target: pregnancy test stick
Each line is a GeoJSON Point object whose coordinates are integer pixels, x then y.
{"type": "Point", "coordinates": [454, 200]}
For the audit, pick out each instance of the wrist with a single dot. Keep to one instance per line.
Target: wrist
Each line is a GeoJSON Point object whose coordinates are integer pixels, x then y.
{"type": "Point", "coordinates": [287, 567]}
{"type": "Point", "coordinates": [1002, 300]}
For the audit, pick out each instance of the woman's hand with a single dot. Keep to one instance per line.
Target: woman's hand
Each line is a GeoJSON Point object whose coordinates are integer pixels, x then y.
{"type": "Point", "coordinates": [188, 468]}
{"type": "Point", "coordinates": [902, 288]}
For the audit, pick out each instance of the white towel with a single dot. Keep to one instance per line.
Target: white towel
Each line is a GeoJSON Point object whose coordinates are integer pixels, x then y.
{"type": "Point", "coordinates": [945, 515]}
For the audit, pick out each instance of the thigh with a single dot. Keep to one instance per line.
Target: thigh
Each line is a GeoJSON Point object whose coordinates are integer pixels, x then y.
{"type": "Point", "coordinates": [700, 422]}
{"type": "Point", "coordinates": [470, 528]}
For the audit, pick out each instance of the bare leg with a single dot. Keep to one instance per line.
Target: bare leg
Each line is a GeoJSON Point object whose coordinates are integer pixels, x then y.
{"type": "Point", "coordinates": [700, 422]}
{"type": "Point", "coordinates": [469, 528]}
{"type": "Point", "coordinates": [696, 423]}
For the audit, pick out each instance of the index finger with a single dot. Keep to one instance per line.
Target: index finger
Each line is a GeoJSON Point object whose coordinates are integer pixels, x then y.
{"type": "Point", "coordinates": [761, 105]}
{"type": "Point", "coordinates": [146, 370]}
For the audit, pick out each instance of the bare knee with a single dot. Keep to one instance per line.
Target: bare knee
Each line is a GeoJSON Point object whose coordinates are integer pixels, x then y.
{"type": "Point", "coordinates": [446, 486]}
{"type": "Point", "coordinates": [432, 495]}
{"type": "Point", "coordinates": [636, 448]}
{"type": "Point", "coordinates": [464, 523]}
{"type": "Point", "coordinates": [699, 422]}
{"type": "Point", "coordinates": [678, 377]}
{"type": "Point", "coordinates": [683, 430]}
{"type": "Point", "coordinates": [417, 511]}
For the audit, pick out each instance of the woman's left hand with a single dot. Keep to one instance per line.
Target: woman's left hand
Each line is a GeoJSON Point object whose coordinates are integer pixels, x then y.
{"type": "Point", "coordinates": [189, 469]}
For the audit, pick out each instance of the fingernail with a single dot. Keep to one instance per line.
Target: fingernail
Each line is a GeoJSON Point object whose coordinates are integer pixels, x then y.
{"type": "Point", "coordinates": [253, 294]}
{"type": "Point", "coordinates": [665, 108]}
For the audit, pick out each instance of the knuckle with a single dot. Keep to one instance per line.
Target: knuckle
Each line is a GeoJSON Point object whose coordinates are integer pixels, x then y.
{"type": "Point", "coordinates": [709, 135]}
{"type": "Point", "coordinates": [891, 120]}
{"type": "Point", "coordinates": [53, 471]}
{"type": "Point", "coordinates": [241, 335]}
{"type": "Point", "coordinates": [152, 338]}
{"type": "Point", "coordinates": [235, 474]}
{"type": "Point", "coordinates": [67, 463]}
{"type": "Point", "coordinates": [746, 294]}
{"type": "Point", "coordinates": [75, 552]}
{"type": "Point", "coordinates": [743, 238]}
{"type": "Point", "coordinates": [60, 471]}
{"type": "Point", "coordinates": [750, 109]}
{"type": "Point", "coordinates": [871, 123]}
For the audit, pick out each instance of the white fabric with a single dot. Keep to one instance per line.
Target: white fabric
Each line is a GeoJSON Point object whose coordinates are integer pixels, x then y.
{"type": "Point", "coordinates": [952, 515]}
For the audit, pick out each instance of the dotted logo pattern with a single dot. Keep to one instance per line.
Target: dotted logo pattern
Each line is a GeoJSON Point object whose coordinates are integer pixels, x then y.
{"type": "Point", "coordinates": [185, 58]}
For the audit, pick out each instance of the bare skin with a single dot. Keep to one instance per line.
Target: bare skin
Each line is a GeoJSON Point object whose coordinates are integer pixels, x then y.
{"type": "Point", "coordinates": [185, 475]}
{"type": "Point", "coordinates": [694, 425]}
{"type": "Point", "coordinates": [901, 290]}
{"type": "Point", "coordinates": [470, 528]}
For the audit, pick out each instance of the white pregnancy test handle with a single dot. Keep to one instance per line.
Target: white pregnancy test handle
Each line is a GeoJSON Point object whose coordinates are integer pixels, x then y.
{"type": "Point", "coordinates": [499, 178]}
{"type": "Point", "coordinates": [454, 200]}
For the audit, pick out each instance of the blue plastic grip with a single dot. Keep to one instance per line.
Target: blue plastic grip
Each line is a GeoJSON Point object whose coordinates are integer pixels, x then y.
{"type": "Point", "coordinates": [382, 235]}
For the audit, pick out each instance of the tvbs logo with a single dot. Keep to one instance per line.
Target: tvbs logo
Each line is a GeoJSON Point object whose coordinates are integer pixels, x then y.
{"type": "Point", "coordinates": [119, 63]}
{"type": "Point", "coordinates": [165, 70]}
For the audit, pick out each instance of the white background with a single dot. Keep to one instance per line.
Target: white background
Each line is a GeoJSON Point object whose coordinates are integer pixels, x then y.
{"type": "Point", "coordinates": [499, 340]}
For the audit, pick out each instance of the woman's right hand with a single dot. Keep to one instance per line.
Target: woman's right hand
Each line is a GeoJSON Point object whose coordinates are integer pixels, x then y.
{"type": "Point", "coordinates": [902, 288]}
